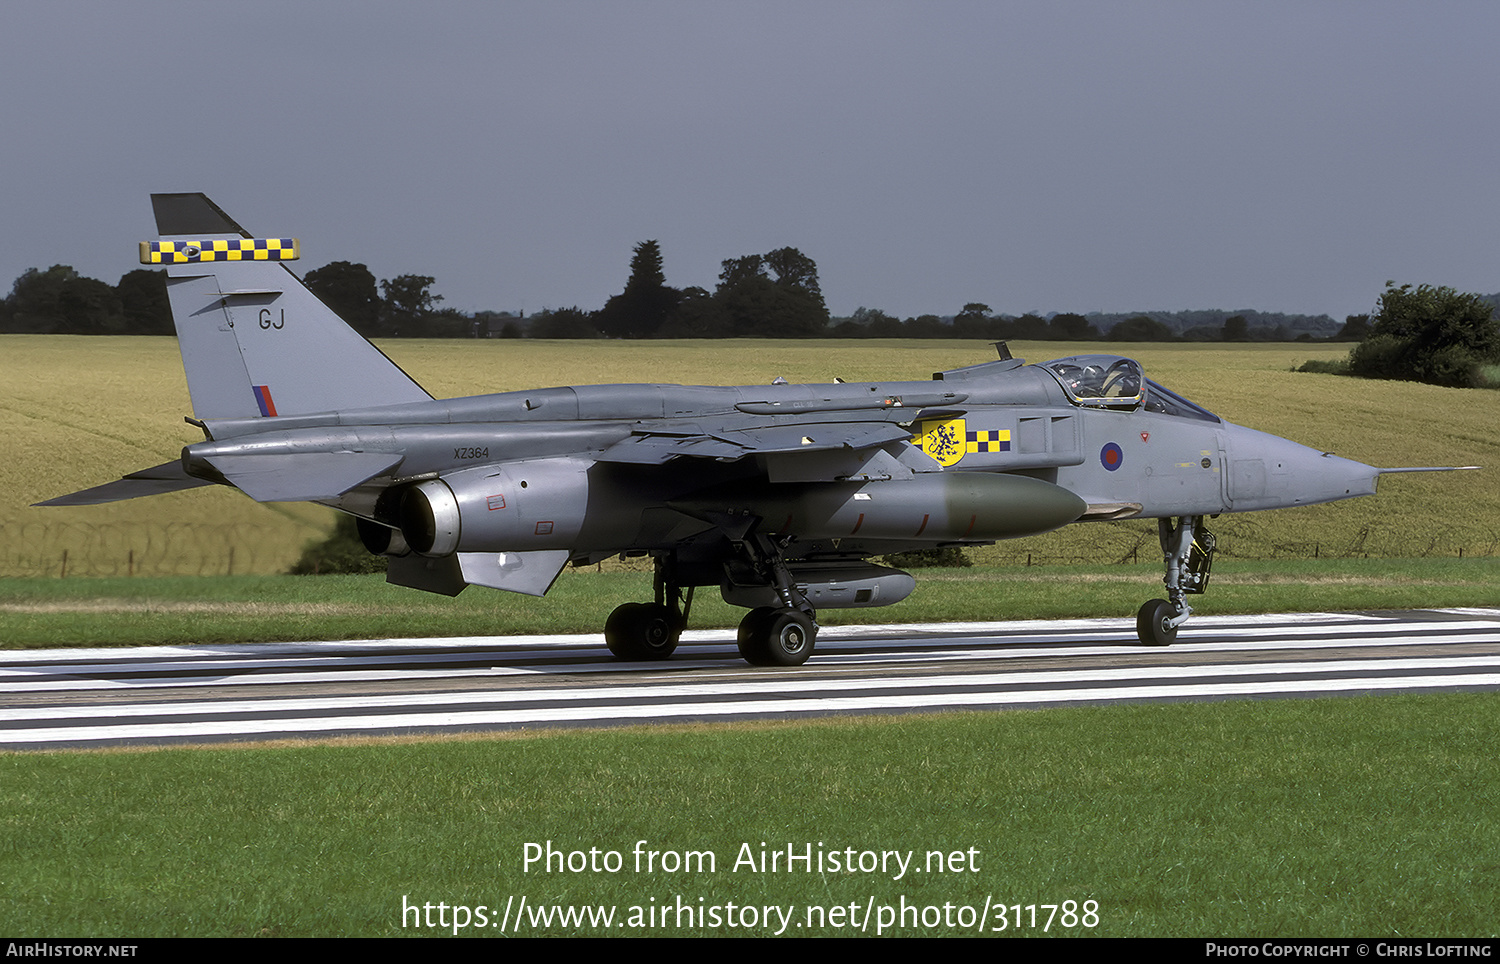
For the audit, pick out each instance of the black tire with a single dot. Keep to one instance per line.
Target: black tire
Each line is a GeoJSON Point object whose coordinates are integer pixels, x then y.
{"type": "Point", "coordinates": [752, 635]}
{"type": "Point", "coordinates": [616, 630]}
{"type": "Point", "coordinates": [1151, 624]}
{"type": "Point", "coordinates": [789, 637]}
{"type": "Point", "coordinates": [655, 631]}
{"type": "Point", "coordinates": [641, 631]}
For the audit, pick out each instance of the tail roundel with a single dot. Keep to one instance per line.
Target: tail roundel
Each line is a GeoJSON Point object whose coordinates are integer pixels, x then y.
{"type": "Point", "coordinates": [255, 342]}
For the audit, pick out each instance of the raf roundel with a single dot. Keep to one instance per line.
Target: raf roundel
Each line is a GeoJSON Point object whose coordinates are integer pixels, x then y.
{"type": "Point", "coordinates": [1110, 456]}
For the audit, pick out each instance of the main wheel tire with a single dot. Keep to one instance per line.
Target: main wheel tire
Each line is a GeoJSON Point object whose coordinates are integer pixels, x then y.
{"type": "Point", "coordinates": [641, 631]}
{"type": "Point", "coordinates": [1151, 624]}
{"type": "Point", "coordinates": [789, 637]}
{"type": "Point", "coordinates": [655, 631]}
{"type": "Point", "coordinates": [752, 635]}
{"type": "Point", "coordinates": [617, 631]}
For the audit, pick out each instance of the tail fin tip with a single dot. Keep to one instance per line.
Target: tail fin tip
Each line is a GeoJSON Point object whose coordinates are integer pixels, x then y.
{"type": "Point", "coordinates": [191, 214]}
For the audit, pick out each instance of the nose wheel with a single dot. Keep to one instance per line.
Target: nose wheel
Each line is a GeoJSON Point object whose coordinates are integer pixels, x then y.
{"type": "Point", "coordinates": [1153, 624]}
{"type": "Point", "coordinates": [1188, 552]}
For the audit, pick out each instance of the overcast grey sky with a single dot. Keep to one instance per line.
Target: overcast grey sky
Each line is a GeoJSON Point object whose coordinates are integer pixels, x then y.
{"type": "Point", "coordinates": [1105, 156]}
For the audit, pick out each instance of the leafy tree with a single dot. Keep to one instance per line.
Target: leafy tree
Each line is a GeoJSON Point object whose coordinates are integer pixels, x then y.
{"type": "Point", "coordinates": [697, 315]}
{"type": "Point", "coordinates": [1236, 328]}
{"type": "Point", "coordinates": [867, 323]}
{"type": "Point", "coordinates": [975, 321]}
{"type": "Point", "coordinates": [790, 305]}
{"type": "Point", "coordinates": [926, 326]}
{"type": "Point", "coordinates": [1428, 334]}
{"type": "Point", "coordinates": [946, 556]}
{"type": "Point", "coordinates": [406, 302]}
{"type": "Point", "coordinates": [1029, 326]}
{"type": "Point", "coordinates": [1067, 326]}
{"type": "Point", "coordinates": [143, 299]}
{"type": "Point", "coordinates": [1140, 328]}
{"type": "Point", "coordinates": [640, 310]}
{"type": "Point", "coordinates": [797, 271]}
{"type": "Point", "coordinates": [1356, 328]}
{"type": "Point", "coordinates": [64, 301]}
{"type": "Point", "coordinates": [737, 271]}
{"type": "Point", "coordinates": [563, 323]}
{"type": "Point", "coordinates": [349, 289]}
{"type": "Point", "coordinates": [341, 551]}
{"type": "Point", "coordinates": [443, 323]}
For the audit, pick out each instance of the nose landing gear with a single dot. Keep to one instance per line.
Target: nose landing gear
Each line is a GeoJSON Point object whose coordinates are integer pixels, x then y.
{"type": "Point", "coordinates": [1188, 551]}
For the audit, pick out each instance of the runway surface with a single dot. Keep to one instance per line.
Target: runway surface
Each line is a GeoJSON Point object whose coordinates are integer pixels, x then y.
{"type": "Point", "coordinates": [203, 694]}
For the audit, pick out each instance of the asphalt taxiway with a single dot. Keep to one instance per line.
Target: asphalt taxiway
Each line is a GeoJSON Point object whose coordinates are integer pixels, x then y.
{"type": "Point", "coordinates": [204, 694]}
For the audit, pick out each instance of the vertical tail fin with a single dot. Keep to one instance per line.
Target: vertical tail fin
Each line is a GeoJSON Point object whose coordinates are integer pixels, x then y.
{"type": "Point", "coordinates": [254, 340]}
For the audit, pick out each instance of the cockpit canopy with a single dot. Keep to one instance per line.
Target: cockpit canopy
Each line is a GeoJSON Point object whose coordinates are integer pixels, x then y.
{"type": "Point", "coordinates": [1108, 381]}
{"type": "Point", "coordinates": [1116, 382]}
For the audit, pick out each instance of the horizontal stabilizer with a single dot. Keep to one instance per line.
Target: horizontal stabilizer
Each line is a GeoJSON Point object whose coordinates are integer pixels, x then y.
{"type": "Point", "coordinates": [304, 477]}
{"type": "Point", "coordinates": [167, 477]}
{"type": "Point", "coordinates": [1429, 468]}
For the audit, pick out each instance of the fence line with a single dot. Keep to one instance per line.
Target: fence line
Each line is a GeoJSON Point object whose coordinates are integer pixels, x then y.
{"type": "Point", "coordinates": [1136, 541]}
{"type": "Point", "coordinates": [140, 549]}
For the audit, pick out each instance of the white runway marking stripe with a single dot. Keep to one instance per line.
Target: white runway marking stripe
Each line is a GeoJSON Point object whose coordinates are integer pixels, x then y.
{"type": "Point", "coordinates": [677, 691]}
{"type": "Point", "coordinates": [657, 712]}
{"type": "Point", "coordinates": [116, 696]}
{"type": "Point", "coordinates": [132, 671]}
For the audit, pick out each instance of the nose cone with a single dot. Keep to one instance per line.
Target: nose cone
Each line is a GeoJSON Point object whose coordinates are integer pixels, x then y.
{"type": "Point", "coordinates": [1269, 472]}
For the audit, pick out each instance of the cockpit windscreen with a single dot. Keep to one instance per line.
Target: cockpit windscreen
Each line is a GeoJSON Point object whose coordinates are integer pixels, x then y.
{"type": "Point", "coordinates": [1112, 381]}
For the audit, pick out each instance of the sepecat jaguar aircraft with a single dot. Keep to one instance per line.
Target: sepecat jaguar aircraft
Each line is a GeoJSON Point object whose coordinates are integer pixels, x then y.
{"type": "Point", "coordinates": [778, 494]}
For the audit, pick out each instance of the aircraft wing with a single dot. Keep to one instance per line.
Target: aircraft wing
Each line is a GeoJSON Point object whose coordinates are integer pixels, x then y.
{"type": "Point", "coordinates": [167, 477]}
{"type": "Point", "coordinates": [650, 447]}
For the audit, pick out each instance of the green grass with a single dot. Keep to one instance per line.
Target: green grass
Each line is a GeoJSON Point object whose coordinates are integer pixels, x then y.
{"type": "Point", "coordinates": [186, 610]}
{"type": "Point", "coordinates": [1363, 817]}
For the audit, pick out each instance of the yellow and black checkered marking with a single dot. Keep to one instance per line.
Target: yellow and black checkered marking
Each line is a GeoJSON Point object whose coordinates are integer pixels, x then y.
{"type": "Point", "coordinates": [228, 249]}
{"type": "Point", "coordinates": [997, 441]}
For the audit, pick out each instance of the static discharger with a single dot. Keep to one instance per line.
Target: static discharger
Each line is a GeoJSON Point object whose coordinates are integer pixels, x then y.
{"type": "Point", "coordinates": [227, 249]}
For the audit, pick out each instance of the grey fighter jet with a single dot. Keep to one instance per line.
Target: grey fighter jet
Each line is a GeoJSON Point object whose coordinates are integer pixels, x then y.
{"type": "Point", "coordinates": [778, 494]}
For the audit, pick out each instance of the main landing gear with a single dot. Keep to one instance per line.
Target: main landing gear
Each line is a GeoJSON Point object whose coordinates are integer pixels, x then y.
{"type": "Point", "coordinates": [771, 635]}
{"type": "Point", "coordinates": [1188, 549]}
{"type": "Point", "coordinates": [648, 631]}
{"type": "Point", "coordinates": [776, 635]}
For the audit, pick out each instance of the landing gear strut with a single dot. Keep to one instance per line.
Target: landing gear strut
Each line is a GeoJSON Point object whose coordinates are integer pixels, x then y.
{"type": "Point", "coordinates": [649, 631]}
{"type": "Point", "coordinates": [1188, 551]}
{"type": "Point", "coordinates": [777, 635]}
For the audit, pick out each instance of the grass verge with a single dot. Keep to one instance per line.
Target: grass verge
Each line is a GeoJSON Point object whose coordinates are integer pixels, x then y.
{"type": "Point", "coordinates": [1361, 816]}
{"type": "Point", "coordinates": [187, 609]}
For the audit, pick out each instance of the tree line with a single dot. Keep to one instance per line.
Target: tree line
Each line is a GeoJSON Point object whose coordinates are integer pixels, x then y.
{"type": "Point", "coordinates": [62, 301]}
{"type": "Point", "coordinates": [771, 295]}
{"type": "Point", "coordinates": [59, 300]}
